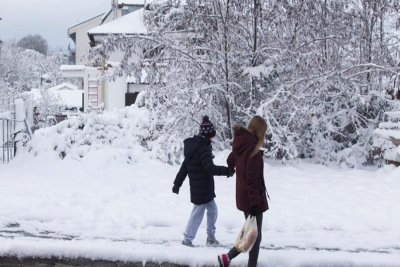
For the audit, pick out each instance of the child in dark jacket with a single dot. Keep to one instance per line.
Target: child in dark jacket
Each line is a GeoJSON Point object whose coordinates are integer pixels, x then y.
{"type": "Point", "coordinates": [199, 165]}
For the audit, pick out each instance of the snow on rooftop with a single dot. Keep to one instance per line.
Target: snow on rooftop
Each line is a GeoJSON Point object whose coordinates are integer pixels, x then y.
{"type": "Point", "coordinates": [72, 67]}
{"type": "Point", "coordinates": [133, 79]}
{"type": "Point", "coordinates": [135, 2]}
{"type": "Point", "coordinates": [132, 23]}
{"type": "Point", "coordinates": [46, 76]}
{"type": "Point", "coordinates": [71, 98]}
{"type": "Point", "coordinates": [64, 85]}
{"type": "Point", "coordinates": [79, 23]}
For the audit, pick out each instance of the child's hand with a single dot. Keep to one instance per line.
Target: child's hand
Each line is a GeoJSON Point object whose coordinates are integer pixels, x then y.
{"type": "Point", "coordinates": [175, 189]}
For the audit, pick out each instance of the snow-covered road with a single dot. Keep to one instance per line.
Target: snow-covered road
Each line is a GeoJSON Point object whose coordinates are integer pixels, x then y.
{"type": "Point", "coordinates": [103, 206]}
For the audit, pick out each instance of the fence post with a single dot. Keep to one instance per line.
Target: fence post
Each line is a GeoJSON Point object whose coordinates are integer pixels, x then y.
{"type": "Point", "coordinates": [19, 122]}
{"type": "Point", "coordinates": [2, 134]}
{"type": "Point", "coordinates": [12, 139]}
{"type": "Point", "coordinates": [8, 140]}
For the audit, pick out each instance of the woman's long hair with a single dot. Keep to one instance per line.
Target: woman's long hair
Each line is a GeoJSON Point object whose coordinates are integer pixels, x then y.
{"type": "Point", "coordinates": [258, 127]}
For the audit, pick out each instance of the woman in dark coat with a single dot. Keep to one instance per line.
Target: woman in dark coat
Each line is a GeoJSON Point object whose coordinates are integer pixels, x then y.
{"type": "Point", "coordinates": [251, 197]}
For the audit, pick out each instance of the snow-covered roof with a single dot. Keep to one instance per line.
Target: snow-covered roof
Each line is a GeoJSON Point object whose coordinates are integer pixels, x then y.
{"type": "Point", "coordinates": [85, 21]}
{"type": "Point", "coordinates": [45, 76]}
{"type": "Point", "coordinates": [132, 23]}
{"type": "Point", "coordinates": [133, 79]}
{"type": "Point", "coordinates": [135, 2]}
{"type": "Point", "coordinates": [64, 85]}
{"type": "Point", "coordinates": [71, 98]}
{"type": "Point", "coordinates": [72, 67]}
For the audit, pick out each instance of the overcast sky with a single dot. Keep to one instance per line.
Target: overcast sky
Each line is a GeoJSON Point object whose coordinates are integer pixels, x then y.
{"type": "Point", "coordinates": [49, 18]}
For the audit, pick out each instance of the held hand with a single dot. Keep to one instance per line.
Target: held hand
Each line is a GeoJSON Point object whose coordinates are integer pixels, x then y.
{"type": "Point", "coordinates": [231, 172]}
{"type": "Point", "coordinates": [253, 211]}
{"type": "Point", "coordinates": [175, 189]}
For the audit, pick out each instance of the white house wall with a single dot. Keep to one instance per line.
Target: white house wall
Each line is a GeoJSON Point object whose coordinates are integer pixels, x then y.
{"type": "Point", "coordinates": [117, 56]}
{"type": "Point", "coordinates": [115, 93]}
{"type": "Point", "coordinates": [115, 90]}
{"type": "Point", "coordinates": [82, 45]}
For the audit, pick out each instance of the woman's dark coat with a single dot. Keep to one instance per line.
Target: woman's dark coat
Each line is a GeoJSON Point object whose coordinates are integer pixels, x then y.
{"type": "Point", "coordinates": [250, 185]}
{"type": "Point", "coordinates": [198, 164]}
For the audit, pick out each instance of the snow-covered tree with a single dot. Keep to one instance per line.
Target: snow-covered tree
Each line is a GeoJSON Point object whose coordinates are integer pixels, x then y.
{"type": "Point", "coordinates": [47, 106]}
{"type": "Point", "coordinates": [320, 72]}
{"type": "Point", "coordinates": [34, 42]}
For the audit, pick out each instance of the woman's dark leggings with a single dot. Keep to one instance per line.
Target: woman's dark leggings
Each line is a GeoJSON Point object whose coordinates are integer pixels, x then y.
{"type": "Point", "coordinates": [253, 254]}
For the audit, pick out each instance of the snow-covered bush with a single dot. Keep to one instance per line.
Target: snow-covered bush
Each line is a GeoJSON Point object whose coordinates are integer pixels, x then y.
{"type": "Point", "coordinates": [127, 128]}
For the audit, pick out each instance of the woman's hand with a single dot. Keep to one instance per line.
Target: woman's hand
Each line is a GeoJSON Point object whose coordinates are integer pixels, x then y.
{"type": "Point", "coordinates": [253, 211]}
{"type": "Point", "coordinates": [231, 172]}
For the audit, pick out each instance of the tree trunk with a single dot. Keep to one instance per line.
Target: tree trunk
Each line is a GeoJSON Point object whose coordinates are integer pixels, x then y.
{"type": "Point", "coordinates": [228, 109]}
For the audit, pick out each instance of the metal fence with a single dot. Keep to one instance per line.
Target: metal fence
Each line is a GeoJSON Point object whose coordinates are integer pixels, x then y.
{"type": "Point", "coordinates": [7, 126]}
{"type": "Point", "coordinates": [9, 138]}
{"type": "Point", "coordinates": [7, 144]}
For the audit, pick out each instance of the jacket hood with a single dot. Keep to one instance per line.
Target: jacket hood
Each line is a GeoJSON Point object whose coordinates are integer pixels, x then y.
{"type": "Point", "coordinates": [243, 140]}
{"type": "Point", "coordinates": [191, 145]}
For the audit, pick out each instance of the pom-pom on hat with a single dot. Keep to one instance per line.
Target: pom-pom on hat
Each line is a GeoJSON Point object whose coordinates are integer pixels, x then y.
{"type": "Point", "coordinates": [207, 128]}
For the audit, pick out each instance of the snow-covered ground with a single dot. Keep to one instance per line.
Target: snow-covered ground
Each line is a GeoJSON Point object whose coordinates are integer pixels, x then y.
{"type": "Point", "coordinates": [104, 207]}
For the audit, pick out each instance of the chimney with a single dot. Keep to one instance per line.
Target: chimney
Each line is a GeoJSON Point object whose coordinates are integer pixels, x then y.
{"type": "Point", "coordinates": [115, 5]}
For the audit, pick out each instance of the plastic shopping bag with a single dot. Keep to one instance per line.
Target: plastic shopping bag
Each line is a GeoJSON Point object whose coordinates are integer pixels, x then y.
{"type": "Point", "coordinates": [247, 236]}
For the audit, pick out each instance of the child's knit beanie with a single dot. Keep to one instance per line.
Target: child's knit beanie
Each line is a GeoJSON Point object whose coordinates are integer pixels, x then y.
{"type": "Point", "coordinates": [207, 128]}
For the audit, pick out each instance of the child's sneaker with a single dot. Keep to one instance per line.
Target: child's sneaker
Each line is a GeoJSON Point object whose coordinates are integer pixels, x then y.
{"type": "Point", "coordinates": [223, 260]}
{"type": "Point", "coordinates": [212, 242]}
{"type": "Point", "coordinates": [187, 243]}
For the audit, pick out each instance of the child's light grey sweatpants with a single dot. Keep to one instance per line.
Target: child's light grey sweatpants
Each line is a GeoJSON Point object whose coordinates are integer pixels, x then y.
{"type": "Point", "coordinates": [196, 218]}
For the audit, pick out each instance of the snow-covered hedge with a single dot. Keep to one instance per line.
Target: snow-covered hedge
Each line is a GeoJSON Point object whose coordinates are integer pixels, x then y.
{"type": "Point", "coordinates": [127, 128]}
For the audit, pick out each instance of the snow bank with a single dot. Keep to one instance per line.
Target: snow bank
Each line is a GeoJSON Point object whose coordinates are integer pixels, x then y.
{"type": "Point", "coordinates": [123, 129]}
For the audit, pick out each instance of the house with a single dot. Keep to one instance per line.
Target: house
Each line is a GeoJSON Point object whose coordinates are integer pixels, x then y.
{"type": "Point", "coordinates": [121, 92]}
{"type": "Point", "coordinates": [78, 32]}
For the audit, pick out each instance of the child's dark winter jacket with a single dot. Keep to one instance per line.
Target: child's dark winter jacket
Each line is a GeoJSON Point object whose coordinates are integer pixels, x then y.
{"type": "Point", "coordinates": [250, 185]}
{"type": "Point", "coordinates": [198, 164]}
